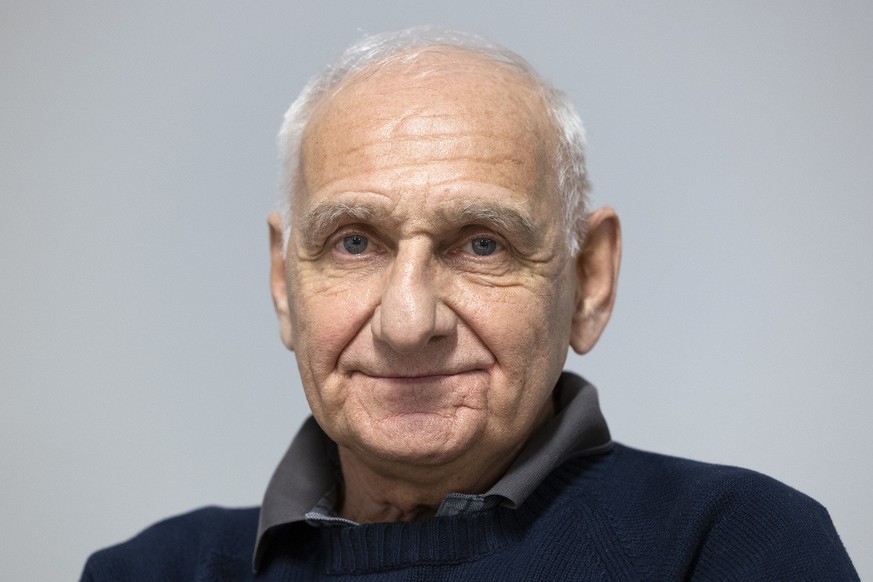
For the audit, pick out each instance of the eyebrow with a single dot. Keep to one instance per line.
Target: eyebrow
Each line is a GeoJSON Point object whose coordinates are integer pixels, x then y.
{"type": "Point", "coordinates": [503, 218]}
{"type": "Point", "coordinates": [323, 218]}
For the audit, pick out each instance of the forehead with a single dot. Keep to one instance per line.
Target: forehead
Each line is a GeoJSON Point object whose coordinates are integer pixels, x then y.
{"type": "Point", "coordinates": [449, 115]}
{"type": "Point", "coordinates": [447, 129]}
{"type": "Point", "coordinates": [446, 79]}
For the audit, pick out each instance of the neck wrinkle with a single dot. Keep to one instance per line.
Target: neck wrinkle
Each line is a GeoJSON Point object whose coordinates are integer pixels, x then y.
{"type": "Point", "coordinates": [370, 495]}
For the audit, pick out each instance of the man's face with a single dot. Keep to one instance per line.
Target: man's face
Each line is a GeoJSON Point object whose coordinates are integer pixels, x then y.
{"type": "Point", "coordinates": [429, 284]}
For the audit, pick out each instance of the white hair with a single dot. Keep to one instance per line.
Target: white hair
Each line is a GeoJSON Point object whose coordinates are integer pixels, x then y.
{"type": "Point", "coordinates": [407, 46]}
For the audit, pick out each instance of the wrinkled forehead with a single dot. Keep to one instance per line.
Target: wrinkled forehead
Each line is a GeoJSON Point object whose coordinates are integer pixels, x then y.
{"type": "Point", "coordinates": [443, 91]}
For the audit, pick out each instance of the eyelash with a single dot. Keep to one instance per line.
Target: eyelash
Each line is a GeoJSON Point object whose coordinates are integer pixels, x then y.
{"type": "Point", "coordinates": [465, 241]}
{"type": "Point", "coordinates": [469, 241]}
{"type": "Point", "coordinates": [336, 241]}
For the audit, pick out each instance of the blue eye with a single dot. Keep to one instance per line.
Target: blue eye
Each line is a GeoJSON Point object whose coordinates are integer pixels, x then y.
{"type": "Point", "coordinates": [355, 244]}
{"type": "Point", "coordinates": [483, 246]}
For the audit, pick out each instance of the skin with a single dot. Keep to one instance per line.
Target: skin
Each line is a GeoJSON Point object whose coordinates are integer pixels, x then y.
{"type": "Point", "coordinates": [427, 362]}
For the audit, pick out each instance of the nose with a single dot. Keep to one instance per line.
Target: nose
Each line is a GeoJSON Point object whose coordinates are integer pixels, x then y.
{"type": "Point", "coordinates": [412, 311]}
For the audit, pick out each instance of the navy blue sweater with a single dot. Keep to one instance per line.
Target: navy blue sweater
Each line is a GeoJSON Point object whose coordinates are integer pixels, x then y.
{"type": "Point", "coordinates": [626, 515]}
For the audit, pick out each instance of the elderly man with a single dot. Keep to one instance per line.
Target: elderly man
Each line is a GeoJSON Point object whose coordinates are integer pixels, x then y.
{"type": "Point", "coordinates": [433, 262]}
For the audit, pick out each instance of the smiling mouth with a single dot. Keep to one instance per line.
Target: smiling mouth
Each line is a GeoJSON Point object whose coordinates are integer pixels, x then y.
{"type": "Point", "coordinates": [418, 378]}
{"type": "Point", "coordinates": [428, 379]}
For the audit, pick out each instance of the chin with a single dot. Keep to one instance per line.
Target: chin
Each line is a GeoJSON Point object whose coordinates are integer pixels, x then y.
{"type": "Point", "coordinates": [420, 439]}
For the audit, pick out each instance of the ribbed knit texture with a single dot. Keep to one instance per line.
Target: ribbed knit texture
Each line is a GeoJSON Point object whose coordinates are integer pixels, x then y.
{"type": "Point", "coordinates": [627, 515]}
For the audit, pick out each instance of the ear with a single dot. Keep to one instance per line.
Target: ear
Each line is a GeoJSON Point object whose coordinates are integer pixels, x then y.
{"type": "Point", "coordinates": [597, 279]}
{"type": "Point", "coordinates": [278, 283]}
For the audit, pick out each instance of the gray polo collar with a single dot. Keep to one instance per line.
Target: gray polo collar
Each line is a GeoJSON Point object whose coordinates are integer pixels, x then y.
{"type": "Point", "coordinates": [308, 472]}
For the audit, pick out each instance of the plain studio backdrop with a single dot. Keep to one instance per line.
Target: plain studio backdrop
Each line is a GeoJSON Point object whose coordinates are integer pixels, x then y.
{"type": "Point", "coordinates": [141, 370]}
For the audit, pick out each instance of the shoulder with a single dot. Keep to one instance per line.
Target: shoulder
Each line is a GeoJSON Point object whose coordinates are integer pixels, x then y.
{"type": "Point", "coordinates": [717, 521]}
{"type": "Point", "coordinates": [709, 488]}
{"type": "Point", "coordinates": [642, 471]}
{"type": "Point", "coordinates": [640, 476]}
{"type": "Point", "coordinates": [183, 547]}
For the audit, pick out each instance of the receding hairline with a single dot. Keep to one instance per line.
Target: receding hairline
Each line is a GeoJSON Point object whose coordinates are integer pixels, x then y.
{"type": "Point", "coordinates": [523, 94]}
{"type": "Point", "coordinates": [428, 60]}
{"type": "Point", "coordinates": [374, 52]}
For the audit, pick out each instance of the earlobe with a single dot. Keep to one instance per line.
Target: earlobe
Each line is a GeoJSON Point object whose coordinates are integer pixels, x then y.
{"type": "Point", "coordinates": [278, 282]}
{"type": "Point", "coordinates": [597, 267]}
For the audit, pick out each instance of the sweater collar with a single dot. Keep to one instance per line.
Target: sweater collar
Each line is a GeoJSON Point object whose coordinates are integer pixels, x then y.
{"type": "Point", "coordinates": [307, 470]}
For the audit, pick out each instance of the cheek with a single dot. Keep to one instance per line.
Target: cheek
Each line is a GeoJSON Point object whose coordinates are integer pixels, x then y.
{"type": "Point", "coordinates": [521, 322]}
{"type": "Point", "coordinates": [327, 314]}
{"type": "Point", "coordinates": [527, 329]}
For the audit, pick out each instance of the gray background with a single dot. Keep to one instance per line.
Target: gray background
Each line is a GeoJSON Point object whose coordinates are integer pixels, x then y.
{"type": "Point", "coordinates": [141, 371]}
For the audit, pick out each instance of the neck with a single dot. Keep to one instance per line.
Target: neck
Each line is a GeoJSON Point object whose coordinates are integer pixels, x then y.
{"type": "Point", "coordinates": [374, 494]}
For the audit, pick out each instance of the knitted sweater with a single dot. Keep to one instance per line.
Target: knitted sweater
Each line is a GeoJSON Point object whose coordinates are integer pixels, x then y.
{"type": "Point", "coordinates": [625, 515]}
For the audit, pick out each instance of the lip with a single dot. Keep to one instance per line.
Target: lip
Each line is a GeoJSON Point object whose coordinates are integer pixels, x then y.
{"type": "Point", "coordinates": [417, 377]}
